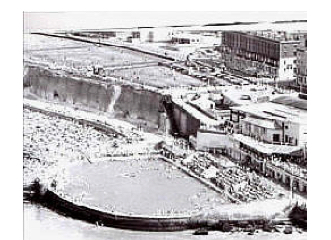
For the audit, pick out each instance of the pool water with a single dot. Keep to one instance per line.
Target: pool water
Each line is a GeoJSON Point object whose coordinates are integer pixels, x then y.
{"type": "Point", "coordinates": [143, 187]}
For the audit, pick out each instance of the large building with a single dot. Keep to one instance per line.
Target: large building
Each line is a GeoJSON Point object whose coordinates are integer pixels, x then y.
{"type": "Point", "coordinates": [271, 138]}
{"type": "Point", "coordinates": [302, 66]}
{"type": "Point", "coordinates": [261, 53]}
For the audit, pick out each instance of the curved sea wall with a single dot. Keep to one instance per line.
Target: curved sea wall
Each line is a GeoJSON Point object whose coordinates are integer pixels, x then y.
{"type": "Point", "coordinates": [38, 193]}
{"type": "Point", "coordinates": [52, 201]}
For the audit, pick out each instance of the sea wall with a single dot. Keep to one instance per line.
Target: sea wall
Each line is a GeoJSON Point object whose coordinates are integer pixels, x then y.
{"type": "Point", "coordinates": [125, 102]}
{"type": "Point", "coordinates": [55, 87]}
{"type": "Point", "coordinates": [136, 105]}
{"type": "Point", "coordinates": [52, 201]}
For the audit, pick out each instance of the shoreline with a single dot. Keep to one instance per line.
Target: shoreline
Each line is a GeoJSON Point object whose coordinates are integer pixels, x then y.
{"type": "Point", "coordinates": [62, 206]}
{"type": "Point", "coordinates": [158, 223]}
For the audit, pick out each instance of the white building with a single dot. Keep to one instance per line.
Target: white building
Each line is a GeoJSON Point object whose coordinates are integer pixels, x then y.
{"type": "Point", "coordinates": [271, 138]}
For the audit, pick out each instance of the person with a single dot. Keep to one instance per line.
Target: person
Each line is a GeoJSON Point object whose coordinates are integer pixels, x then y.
{"type": "Point", "coordinates": [53, 184]}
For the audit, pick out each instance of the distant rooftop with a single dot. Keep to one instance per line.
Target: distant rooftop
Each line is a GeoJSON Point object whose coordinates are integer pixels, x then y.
{"type": "Point", "coordinates": [235, 93]}
{"type": "Point", "coordinates": [291, 101]}
{"type": "Point", "coordinates": [265, 147]}
{"type": "Point", "coordinates": [262, 123]}
{"type": "Point", "coordinates": [279, 36]}
{"type": "Point", "coordinates": [276, 111]}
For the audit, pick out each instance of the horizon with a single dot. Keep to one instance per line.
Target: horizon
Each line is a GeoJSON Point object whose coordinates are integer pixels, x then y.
{"type": "Point", "coordinates": [65, 21]}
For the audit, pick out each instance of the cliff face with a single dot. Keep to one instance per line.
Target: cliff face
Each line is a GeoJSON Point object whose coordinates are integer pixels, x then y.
{"type": "Point", "coordinates": [135, 105]}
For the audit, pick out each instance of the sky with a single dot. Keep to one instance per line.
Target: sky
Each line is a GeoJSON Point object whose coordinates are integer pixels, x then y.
{"type": "Point", "coordinates": [49, 21]}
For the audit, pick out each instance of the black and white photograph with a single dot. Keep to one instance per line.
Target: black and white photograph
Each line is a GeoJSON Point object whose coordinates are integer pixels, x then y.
{"type": "Point", "coordinates": [164, 125]}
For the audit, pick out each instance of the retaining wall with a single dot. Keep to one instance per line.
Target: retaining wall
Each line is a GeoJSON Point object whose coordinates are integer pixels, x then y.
{"type": "Point", "coordinates": [142, 223]}
{"type": "Point", "coordinates": [138, 106]}
{"type": "Point", "coordinates": [53, 201]}
{"type": "Point", "coordinates": [123, 101]}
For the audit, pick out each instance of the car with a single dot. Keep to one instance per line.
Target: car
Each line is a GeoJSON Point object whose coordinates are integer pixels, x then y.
{"type": "Point", "coordinates": [245, 97]}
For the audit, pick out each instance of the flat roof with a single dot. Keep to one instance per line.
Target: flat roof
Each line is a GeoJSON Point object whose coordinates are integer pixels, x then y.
{"type": "Point", "coordinates": [273, 36]}
{"type": "Point", "coordinates": [265, 147]}
{"type": "Point", "coordinates": [235, 93]}
{"type": "Point", "coordinates": [197, 114]}
{"type": "Point", "coordinates": [271, 110]}
{"type": "Point", "coordinates": [186, 35]}
{"type": "Point", "coordinates": [270, 124]}
{"type": "Point", "coordinates": [291, 101]}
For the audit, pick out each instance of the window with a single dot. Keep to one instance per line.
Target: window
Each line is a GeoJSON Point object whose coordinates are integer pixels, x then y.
{"type": "Point", "coordinates": [286, 138]}
{"type": "Point", "coordinates": [276, 138]}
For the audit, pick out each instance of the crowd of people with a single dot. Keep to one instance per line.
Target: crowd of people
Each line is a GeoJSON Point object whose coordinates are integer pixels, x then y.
{"type": "Point", "coordinates": [48, 140]}
{"type": "Point", "coordinates": [242, 185]}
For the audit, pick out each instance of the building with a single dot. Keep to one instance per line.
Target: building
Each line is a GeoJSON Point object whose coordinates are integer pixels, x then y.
{"type": "Point", "coordinates": [280, 121]}
{"type": "Point", "coordinates": [271, 138]}
{"type": "Point", "coordinates": [261, 53]}
{"type": "Point", "coordinates": [186, 38]}
{"type": "Point", "coordinates": [302, 66]}
{"type": "Point", "coordinates": [150, 35]}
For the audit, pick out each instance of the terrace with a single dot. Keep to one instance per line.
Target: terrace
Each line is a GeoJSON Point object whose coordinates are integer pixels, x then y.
{"type": "Point", "coordinates": [242, 186]}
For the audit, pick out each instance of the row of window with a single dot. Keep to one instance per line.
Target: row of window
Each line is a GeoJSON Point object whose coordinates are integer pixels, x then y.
{"type": "Point", "coordinates": [288, 139]}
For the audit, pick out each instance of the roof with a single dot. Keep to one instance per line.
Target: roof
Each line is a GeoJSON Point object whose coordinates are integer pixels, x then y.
{"type": "Point", "coordinates": [235, 93]}
{"type": "Point", "coordinates": [196, 113]}
{"type": "Point", "coordinates": [202, 100]}
{"type": "Point", "coordinates": [186, 36]}
{"type": "Point", "coordinates": [270, 124]}
{"type": "Point", "coordinates": [276, 111]}
{"type": "Point", "coordinates": [275, 36]}
{"type": "Point", "coordinates": [265, 147]}
{"type": "Point", "coordinates": [291, 101]}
